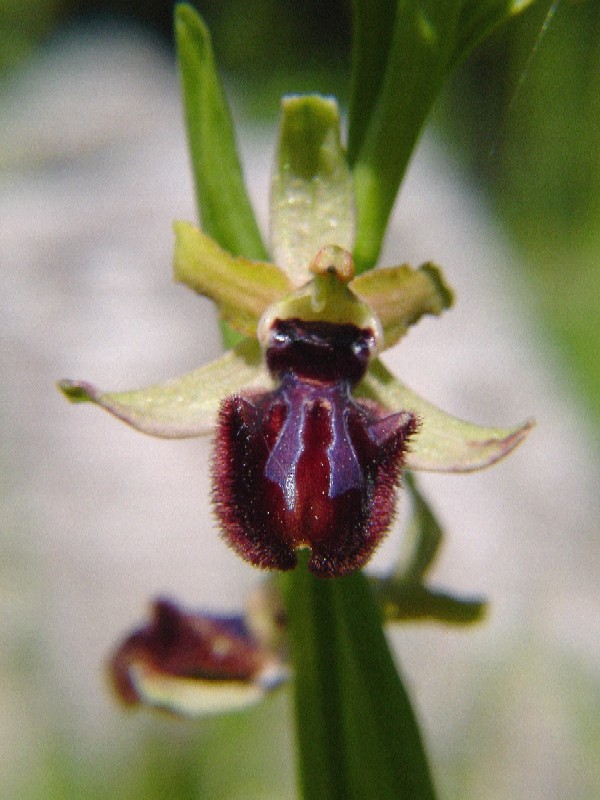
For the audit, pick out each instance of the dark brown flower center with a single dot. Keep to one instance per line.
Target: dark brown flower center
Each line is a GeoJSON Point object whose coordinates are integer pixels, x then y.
{"type": "Point", "coordinates": [321, 351]}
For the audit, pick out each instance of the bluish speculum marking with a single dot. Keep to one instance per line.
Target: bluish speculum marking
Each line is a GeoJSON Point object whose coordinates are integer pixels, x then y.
{"type": "Point", "coordinates": [300, 398]}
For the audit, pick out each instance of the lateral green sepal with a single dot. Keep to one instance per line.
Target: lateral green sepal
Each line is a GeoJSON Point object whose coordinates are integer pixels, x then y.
{"type": "Point", "coordinates": [186, 406]}
{"type": "Point", "coordinates": [443, 443]}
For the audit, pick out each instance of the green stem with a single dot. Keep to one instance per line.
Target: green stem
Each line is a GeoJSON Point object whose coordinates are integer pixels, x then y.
{"type": "Point", "coordinates": [357, 734]}
{"type": "Point", "coordinates": [323, 773]}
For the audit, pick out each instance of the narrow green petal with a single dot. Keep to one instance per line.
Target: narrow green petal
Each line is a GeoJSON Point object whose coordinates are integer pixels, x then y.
{"type": "Point", "coordinates": [223, 202]}
{"type": "Point", "coordinates": [186, 406]}
{"type": "Point", "coordinates": [312, 202]}
{"type": "Point", "coordinates": [241, 288]}
{"type": "Point", "coordinates": [400, 296]}
{"type": "Point", "coordinates": [444, 443]}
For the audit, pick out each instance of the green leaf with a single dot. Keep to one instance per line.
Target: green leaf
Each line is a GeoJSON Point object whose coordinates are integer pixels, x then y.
{"type": "Point", "coordinates": [422, 40]}
{"type": "Point", "coordinates": [394, 87]}
{"type": "Point", "coordinates": [223, 203]}
{"type": "Point", "coordinates": [312, 202]}
{"type": "Point", "coordinates": [480, 18]}
{"type": "Point", "coordinates": [400, 296]}
{"type": "Point", "coordinates": [372, 29]}
{"type": "Point", "coordinates": [184, 407]}
{"type": "Point", "coordinates": [242, 289]}
{"type": "Point", "coordinates": [443, 443]}
{"type": "Point", "coordinates": [358, 737]}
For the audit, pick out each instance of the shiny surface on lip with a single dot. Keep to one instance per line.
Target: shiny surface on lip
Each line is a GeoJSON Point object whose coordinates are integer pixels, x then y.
{"type": "Point", "coordinates": [321, 351]}
{"type": "Point", "coordinates": [306, 464]}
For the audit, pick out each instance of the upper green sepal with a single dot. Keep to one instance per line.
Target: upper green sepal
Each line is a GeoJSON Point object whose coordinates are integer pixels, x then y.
{"type": "Point", "coordinates": [312, 199]}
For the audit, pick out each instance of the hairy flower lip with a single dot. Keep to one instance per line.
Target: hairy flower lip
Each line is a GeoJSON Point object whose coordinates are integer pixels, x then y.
{"type": "Point", "coordinates": [306, 464]}
{"type": "Point", "coordinates": [318, 337]}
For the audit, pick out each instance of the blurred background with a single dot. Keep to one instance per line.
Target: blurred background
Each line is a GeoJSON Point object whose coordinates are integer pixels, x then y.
{"type": "Point", "coordinates": [95, 520]}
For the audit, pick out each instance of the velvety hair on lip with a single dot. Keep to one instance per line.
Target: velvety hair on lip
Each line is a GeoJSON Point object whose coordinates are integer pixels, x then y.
{"type": "Point", "coordinates": [308, 465]}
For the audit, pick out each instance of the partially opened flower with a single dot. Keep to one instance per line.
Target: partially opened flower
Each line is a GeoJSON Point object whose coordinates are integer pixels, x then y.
{"type": "Point", "coordinates": [311, 430]}
{"type": "Point", "coordinates": [194, 663]}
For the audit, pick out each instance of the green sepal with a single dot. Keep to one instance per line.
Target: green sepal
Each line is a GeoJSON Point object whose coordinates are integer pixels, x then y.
{"type": "Point", "coordinates": [443, 443]}
{"type": "Point", "coordinates": [400, 296]}
{"type": "Point", "coordinates": [186, 406]}
{"type": "Point", "coordinates": [242, 289]}
{"type": "Point", "coordinates": [223, 202]}
{"type": "Point", "coordinates": [312, 201]}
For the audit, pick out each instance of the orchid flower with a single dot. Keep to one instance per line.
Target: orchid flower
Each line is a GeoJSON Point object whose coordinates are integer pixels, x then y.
{"type": "Point", "coordinates": [192, 663]}
{"type": "Point", "coordinates": [311, 430]}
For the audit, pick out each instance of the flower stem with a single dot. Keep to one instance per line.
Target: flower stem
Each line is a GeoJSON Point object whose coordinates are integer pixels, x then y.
{"type": "Point", "coordinates": [357, 734]}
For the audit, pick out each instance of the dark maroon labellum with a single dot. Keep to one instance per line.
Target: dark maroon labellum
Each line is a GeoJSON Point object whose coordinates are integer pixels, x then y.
{"type": "Point", "coordinates": [307, 465]}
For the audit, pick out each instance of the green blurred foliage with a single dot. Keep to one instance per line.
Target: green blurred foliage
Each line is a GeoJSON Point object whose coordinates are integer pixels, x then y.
{"type": "Point", "coordinates": [23, 26]}
{"type": "Point", "coordinates": [525, 115]}
{"type": "Point", "coordinates": [222, 757]}
{"type": "Point", "coordinates": [550, 188]}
